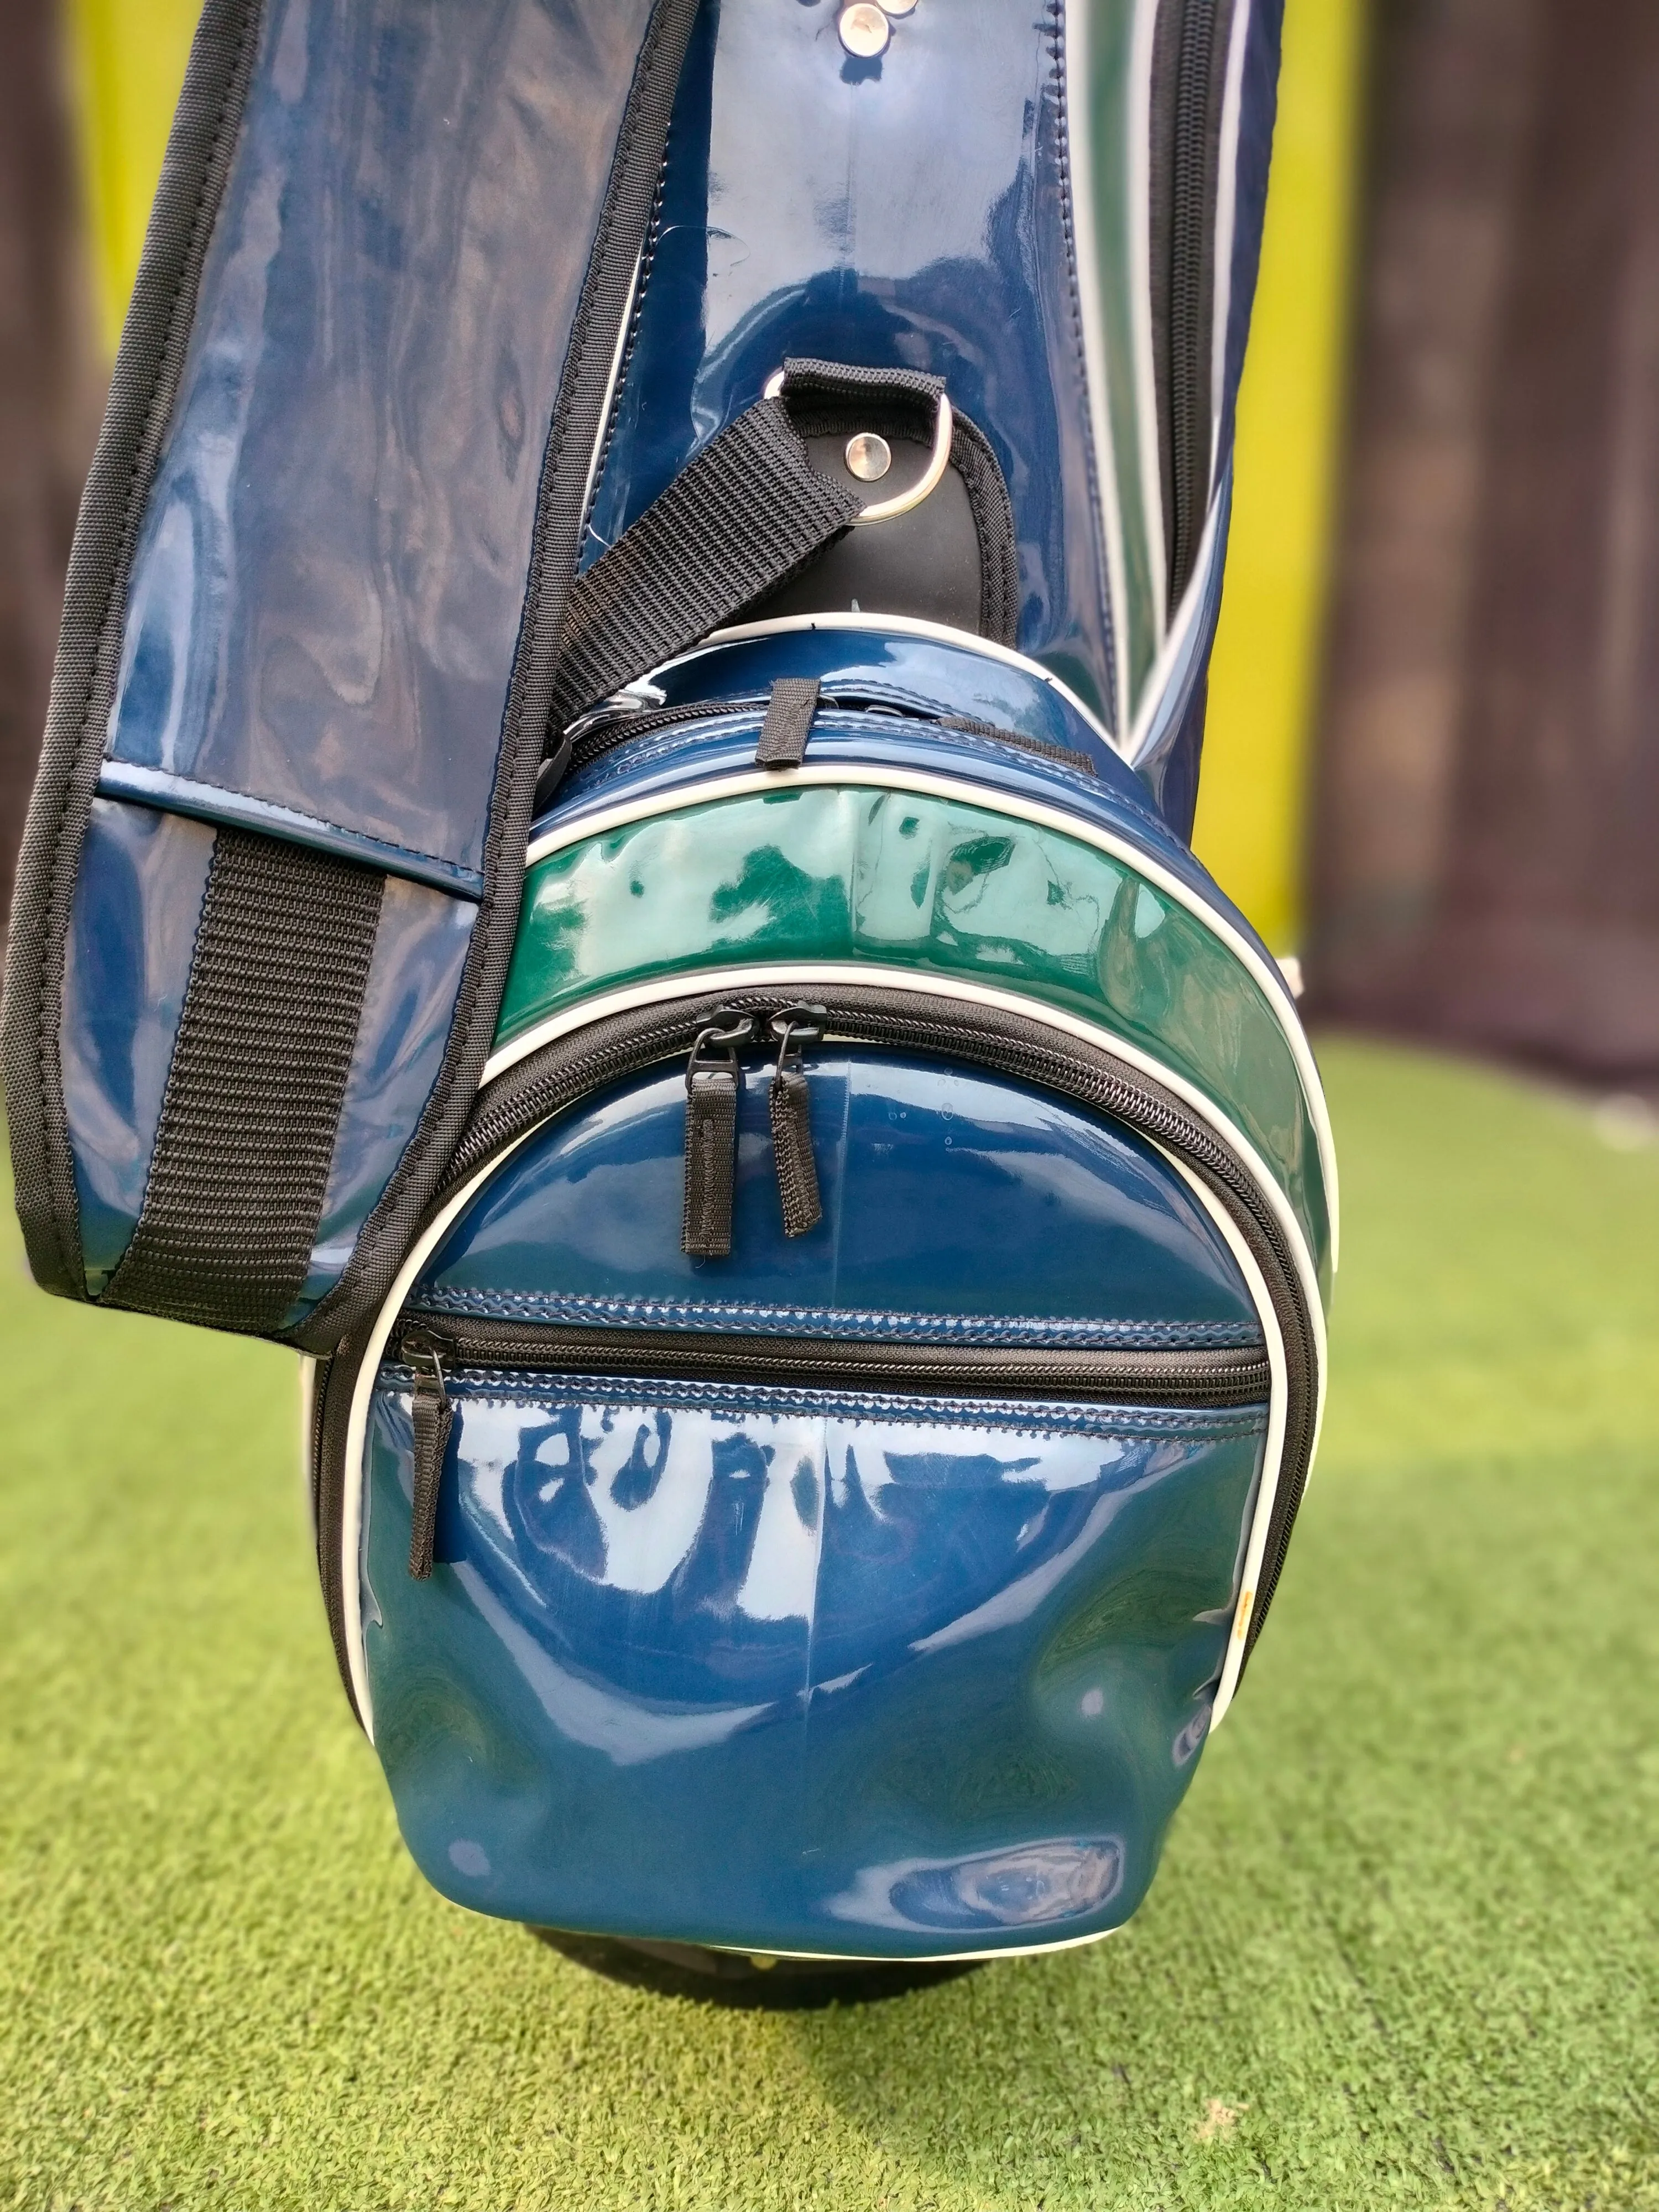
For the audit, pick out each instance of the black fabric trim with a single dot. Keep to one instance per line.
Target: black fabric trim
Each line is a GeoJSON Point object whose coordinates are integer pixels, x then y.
{"type": "Point", "coordinates": [787, 722]}
{"type": "Point", "coordinates": [972, 458]}
{"type": "Point", "coordinates": [1067, 756]}
{"type": "Point", "coordinates": [1161, 107]}
{"type": "Point", "coordinates": [1190, 35]}
{"type": "Point", "coordinates": [254, 1094]}
{"type": "Point", "coordinates": [830, 415]}
{"type": "Point", "coordinates": [577, 428]}
{"type": "Point", "coordinates": [143, 390]}
{"type": "Point", "coordinates": [806, 380]}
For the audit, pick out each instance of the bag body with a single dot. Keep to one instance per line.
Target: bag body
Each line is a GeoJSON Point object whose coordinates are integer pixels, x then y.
{"type": "Point", "coordinates": [821, 1469]}
{"type": "Point", "coordinates": [610, 863]}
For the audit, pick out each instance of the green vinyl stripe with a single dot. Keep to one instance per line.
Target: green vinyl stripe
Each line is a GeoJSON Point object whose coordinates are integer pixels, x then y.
{"type": "Point", "coordinates": [842, 873]}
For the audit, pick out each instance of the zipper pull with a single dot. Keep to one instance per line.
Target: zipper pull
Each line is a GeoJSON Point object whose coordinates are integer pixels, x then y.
{"type": "Point", "coordinates": [789, 1102]}
{"type": "Point", "coordinates": [432, 1416]}
{"type": "Point", "coordinates": [712, 1078]}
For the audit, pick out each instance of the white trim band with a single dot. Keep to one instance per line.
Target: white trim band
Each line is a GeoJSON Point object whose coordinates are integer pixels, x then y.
{"type": "Point", "coordinates": [578, 828]}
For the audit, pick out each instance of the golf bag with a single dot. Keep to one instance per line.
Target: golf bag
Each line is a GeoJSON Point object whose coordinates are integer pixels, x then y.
{"type": "Point", "coordinates": [610, 863]}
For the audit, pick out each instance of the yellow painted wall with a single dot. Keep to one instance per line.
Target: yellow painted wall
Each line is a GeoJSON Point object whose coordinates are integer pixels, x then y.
{"type": "Point", "coordinates": [131, 61]}
{"type": "Point", "coordinates": [1263, 683]}
{"type": "Point", "coordinates": [129, 58]}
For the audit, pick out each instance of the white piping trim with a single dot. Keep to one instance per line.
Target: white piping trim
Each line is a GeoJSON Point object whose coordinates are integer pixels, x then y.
{"type": "Point", "coordinates": [578, 828]}
{"type": "Point", "coordinates": [1144, 38]}
{"type": "Point", "coordinates": [926, 1958]}
{"type": "Point", "coordinates": [1226, 221]}
{"type": "Point", "coordinates": [357, 1444]}
{"type": "Point", "coordinates": [1079, 151]}
{"type": "Point", "coordinates": [1177, 643]}
{"type": "Point", "coordinates": [903, 626]}
{"type": "Point", "coordinates": [594, 458]}
{"type": "Point", "coordinates": [1272, 1452]}
{"type": "Point", "coordinates": [748, 977]}
{"type": "Point", "coordinates": [788, 974]}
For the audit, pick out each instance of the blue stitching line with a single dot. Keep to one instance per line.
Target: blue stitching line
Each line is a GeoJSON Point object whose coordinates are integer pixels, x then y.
{"type": "Point", "coordinates": [846, 722]}
{"type": "Point", "coordinates": [864, 1322]}
{"type": "Point", "coordinates": [1037, 1418]}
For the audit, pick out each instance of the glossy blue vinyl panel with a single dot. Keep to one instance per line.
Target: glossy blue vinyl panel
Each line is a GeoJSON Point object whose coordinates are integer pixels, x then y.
{"type": "Point", "coordinates": [408, 1003]}
{"type": "Point", "coordinates": [326, 591]}
{"type": "Point", "coordinates": [908, 211]}
{"type": "Point", "coordinates": [132, 933]}
{"type": "Point", "coordinates": [930, 675]}
{"type": "Point", "coordinates": [957, 1205]}
{"type": "Point", "coordinates": [783, 1671]}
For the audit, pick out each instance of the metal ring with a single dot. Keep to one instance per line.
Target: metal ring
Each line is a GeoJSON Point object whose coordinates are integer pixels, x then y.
{"type": "Point", "coordinates": [884, 510]}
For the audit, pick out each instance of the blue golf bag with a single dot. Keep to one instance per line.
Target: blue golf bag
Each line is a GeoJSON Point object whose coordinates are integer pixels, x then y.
{"type": "Point", "coordinates": [610, 863]}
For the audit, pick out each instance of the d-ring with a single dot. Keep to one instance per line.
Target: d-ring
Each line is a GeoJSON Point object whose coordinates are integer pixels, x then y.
{"type": "Point", "coordinates": [884, 510]}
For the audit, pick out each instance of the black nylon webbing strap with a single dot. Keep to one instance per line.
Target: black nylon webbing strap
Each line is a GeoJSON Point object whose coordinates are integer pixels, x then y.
{"type": "Point", "coordinates": [253, 1095]}
{"type": "Point", "coordinates": [746, 515]}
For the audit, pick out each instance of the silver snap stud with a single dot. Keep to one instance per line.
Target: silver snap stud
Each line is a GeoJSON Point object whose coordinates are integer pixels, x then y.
{"type": "Point", "coordinates": [869, 457]}
{"type": "Point", "coordinates": [864, 29]}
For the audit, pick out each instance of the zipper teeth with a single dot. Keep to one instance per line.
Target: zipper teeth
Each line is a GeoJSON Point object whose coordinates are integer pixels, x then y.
{"type": "Point", "coordinates": [611, 731]}
{"type": "Point", "coordinates": [1188, 215]}
{"type": "Point", "coordinates": [1222, 1377]}
{"type": "Point", "coordinates": [628, 1042]}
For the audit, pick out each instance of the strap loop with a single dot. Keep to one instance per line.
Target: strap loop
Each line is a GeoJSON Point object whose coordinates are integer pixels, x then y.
{"type": "Point", "coordinates": [742, 517]}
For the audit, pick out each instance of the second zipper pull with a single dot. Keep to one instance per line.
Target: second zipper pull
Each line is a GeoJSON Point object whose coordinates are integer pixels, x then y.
{"type": "Point", "coordinates": [432, 1416]}
{"type": "Point", "coordinates": [713, 1079]}
{"type": "Point", "coordinates": [789, 1103]}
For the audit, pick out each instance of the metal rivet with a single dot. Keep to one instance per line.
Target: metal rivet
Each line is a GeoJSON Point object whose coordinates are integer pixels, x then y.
{"type": "Point", "coordinates": [869, 457]}
{"type": "Point", "coordinates": [898, 7]}
{"type": "Point", "coordinates": [864, 29]}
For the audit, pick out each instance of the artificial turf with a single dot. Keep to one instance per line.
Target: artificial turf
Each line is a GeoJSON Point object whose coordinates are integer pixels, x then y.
{"type": "Point", "coordinates": [1402, 1951]}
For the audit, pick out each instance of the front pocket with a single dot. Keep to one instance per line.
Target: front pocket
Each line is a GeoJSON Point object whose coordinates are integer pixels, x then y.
{"type": "Point", "coordinates": [866, 1585]}
{"type": "Point", "coordinates": [799, 1669]}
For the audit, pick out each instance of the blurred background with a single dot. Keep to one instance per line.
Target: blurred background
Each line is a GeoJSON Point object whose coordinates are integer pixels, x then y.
{"type": "Point", "coordinates": [1433, 760]}
{"type": "Point", "coordinates": [1404, 1949]}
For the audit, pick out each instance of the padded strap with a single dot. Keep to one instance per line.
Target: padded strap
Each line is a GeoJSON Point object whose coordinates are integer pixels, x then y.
{"type": "Point", "coordinates": [254, 1094]}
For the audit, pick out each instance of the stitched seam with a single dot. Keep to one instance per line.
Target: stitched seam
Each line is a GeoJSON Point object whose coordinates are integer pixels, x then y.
{"type": "Point", "coordinates": [873, 1320]}
{"type": "Point", "coordinates": [487, 960]}
{"type": "Point", "coordinates": [1038, 1418]}
{"type": "Point", "coordinates": [321, 821]}
{"type": "Point", "coordinates": [145, 456]}
{"type": "Point", "coordinates": [1063, 145]}
{"type": "Point", "coordinates": [647, 269]}
{"type": "Point", "coordinates": [617, 767]}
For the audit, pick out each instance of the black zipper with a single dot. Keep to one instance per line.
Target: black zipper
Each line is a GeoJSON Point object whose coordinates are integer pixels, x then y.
{"type": "Point", "coordinates": [602, 731]}
{"type": "Point", "coordinates": [612, 1049]}
{"type": "Point", "coordinates": [435, 1347]}
{"type": "Point", "coordinates": [1199, 1377]}
{"type": "Point", "coordinates": [1195, 47]}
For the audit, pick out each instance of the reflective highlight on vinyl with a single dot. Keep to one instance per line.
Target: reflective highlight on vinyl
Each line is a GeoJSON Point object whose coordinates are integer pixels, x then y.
{"type": "Point", "coordinates": [815, 872]}
{"type": "Point", "coordinates": [409, 1002]}
{"type": "Point", "coordinates": [781, 1670]}
{"type": "Point", "coordinates": [132, 931]}
{"type": "Point", "coordinates": [957, 1207]}
{"type": "Point", "coordinates": [879, 254]}
{"type": "Point", "coordinates": [327, 588]}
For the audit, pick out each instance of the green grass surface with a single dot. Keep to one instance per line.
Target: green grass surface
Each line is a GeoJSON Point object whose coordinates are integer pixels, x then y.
{"type": "Point", "coordinates": [1404, 1932]}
